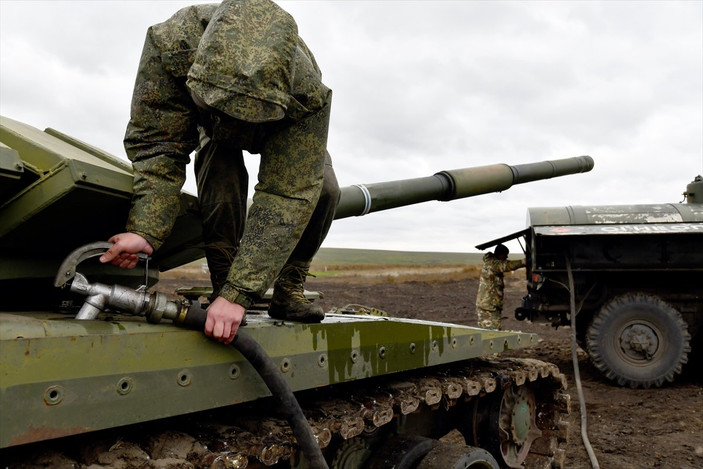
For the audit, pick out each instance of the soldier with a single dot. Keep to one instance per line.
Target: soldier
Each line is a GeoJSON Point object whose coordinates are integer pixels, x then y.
{"type": "Point", "coordinates": [220, 79]}
{"type": "Point", "coordinates": [489, 300]}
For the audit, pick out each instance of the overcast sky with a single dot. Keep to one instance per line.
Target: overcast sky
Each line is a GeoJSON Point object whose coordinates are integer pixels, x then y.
{"type": "Point", "coordinates": [421, 87]}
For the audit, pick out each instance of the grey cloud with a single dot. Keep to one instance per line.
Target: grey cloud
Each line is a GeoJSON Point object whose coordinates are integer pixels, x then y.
{"type": "Point", "coordinates": [421, 87]}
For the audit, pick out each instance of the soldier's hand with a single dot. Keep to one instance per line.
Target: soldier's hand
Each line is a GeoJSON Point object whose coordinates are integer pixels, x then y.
{"type": "Point", "coordinates": [223, 320]}
{"type": "Point", "coordinates": [123, 252]}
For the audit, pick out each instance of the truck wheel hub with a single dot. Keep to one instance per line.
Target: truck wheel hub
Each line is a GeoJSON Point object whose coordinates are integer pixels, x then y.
{"type": "Point", "coordinates": [639, 341]}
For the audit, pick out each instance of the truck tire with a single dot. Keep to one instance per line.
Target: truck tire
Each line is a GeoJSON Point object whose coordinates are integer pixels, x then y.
{"type": "Point", "coordinates": [638, 341]}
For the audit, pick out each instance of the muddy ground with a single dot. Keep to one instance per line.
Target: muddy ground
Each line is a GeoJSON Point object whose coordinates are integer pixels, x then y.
{"type": "Point", "coordinates": [626, 428]}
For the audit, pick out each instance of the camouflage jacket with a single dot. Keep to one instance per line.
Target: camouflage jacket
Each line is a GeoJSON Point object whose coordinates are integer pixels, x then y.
{"type": "Point", "coordinates": [183, 54]}
{"type": "Point", "coordinates": [491, 284]}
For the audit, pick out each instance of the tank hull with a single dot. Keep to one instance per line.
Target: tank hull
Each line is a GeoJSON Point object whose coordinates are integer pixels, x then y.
{"type": "Point", "coordinates": [366, 383]}
{"type": "Point", "coordinates": [65, 376]}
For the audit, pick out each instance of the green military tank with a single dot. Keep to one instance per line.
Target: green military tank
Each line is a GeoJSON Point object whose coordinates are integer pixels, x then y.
{"type": "Point", "coordinates": [94, 373]}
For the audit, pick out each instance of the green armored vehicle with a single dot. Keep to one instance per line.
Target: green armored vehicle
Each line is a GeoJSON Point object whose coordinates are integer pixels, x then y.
{"type": "Point", "coordinates": [94, 372]}
{"type": "Point", "coordinates": [637, 276]}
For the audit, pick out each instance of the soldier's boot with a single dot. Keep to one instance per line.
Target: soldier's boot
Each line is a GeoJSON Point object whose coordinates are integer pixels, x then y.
{"type": "Point", "coordinates": [288, 300]}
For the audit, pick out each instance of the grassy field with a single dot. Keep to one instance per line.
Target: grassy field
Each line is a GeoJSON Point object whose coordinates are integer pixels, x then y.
{"type": "Point", "coordinates": [388, 265]}
{"type": "Point", "coordinates": [341, 256]}
{"type": "Point", "coordinates": [374, 257]}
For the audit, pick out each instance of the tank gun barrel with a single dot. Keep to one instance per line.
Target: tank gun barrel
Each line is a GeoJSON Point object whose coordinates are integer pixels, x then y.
{"type": "Point", "coordinates": [453, 184]}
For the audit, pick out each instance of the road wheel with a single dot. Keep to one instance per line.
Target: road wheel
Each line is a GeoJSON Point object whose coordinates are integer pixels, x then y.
{"type": "Point", "coordinates": [512, 425]}
{"type": "Point", "coordinates": [352, 453]}
{"type": "Point", "coordinates": [505, 424]}
{"type": "Point", "coordinates": [638, 340]}
{"type": "Point", "coordinates": [447, 456]}
{"type": "Point", "coordinates": [401, 452]}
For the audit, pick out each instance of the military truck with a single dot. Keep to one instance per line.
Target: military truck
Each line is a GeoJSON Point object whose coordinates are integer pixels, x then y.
{"type": "Point", "coordinates": [636, 275]}
{"type": "Point", "coordinates": [91, 373]}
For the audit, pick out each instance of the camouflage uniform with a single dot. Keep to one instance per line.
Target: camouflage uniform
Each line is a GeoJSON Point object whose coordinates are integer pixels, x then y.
{"type": "Point", "coordinates": [222, 79]}
{"type": "Point", "coordinates": [489, 300]}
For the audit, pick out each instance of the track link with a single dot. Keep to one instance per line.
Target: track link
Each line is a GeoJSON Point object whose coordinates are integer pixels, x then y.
{"type": "Point", "coordinates": [253, 437]}
{"type": "Point", "coordinates": [344, 414]}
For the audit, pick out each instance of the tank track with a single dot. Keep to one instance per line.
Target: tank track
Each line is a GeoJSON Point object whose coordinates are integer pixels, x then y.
{"type": "Point", "coordinates": [339, 417]}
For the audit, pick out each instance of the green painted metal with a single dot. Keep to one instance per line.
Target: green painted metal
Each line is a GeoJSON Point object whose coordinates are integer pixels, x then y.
{"type": "Point", "coordinates": [615, 214]}
{"type": "Point", "coordinates": [78, 192]}
{"type": "Point", "coordinates": [11, 172]}
{"type": "Point", "coordinates": [451, 185]}
{"type": "Point", "coordinates": [694, 191]}
{"type": "Point", "coordinates": [62, 376]}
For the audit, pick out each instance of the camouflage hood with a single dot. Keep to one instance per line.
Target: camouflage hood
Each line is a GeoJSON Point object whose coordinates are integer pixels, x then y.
{"type": "Point", "coordinates": [245, 63]}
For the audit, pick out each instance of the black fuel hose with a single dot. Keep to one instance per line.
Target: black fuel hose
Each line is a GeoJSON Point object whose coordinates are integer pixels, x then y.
{"type": "Point", "coordinates": [269, 372]}
{"type": "Point", "coordinates": [577, 374]}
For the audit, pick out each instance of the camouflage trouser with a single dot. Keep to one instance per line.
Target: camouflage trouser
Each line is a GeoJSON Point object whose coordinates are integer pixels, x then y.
{"type": "Point", "coordinates": [488, 319]}
{"type": "Point", "coordinates": [222, 182]}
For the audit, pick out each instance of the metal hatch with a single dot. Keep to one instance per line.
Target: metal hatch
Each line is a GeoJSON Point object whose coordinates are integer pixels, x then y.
{"type": "Point", "coordinates": [503, 239]}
